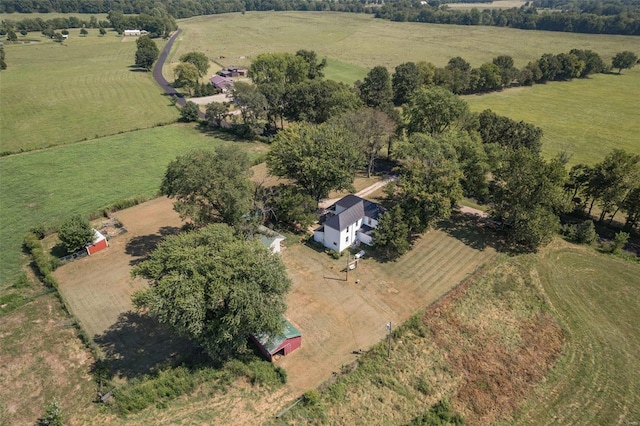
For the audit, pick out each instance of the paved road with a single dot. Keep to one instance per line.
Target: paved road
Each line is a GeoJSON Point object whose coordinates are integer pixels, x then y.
{"type": "Point", "coordinates": [157, 73]}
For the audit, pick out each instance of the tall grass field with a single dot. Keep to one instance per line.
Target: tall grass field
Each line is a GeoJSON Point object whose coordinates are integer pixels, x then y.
{"type": "Point", "coordinates": [51, 185]}
{"type": "Point", "coordinates": [84, 88]}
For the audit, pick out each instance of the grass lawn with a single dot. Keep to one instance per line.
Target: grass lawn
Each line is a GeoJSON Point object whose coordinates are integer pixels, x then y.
{"type": "Point", "coordinates": [597, 378]}
{"type": "Point", "coordinates": [488, 346]}
{"type": "Point", "coordinates": [59, 93]}
{"type": "Point", "coordinates": [46, 16]}
{"type": "Point", "coordinates": [364, 41]}
{"type": "Point", "coordinates": [49, 186]}
{"type": "Point", "coordinates": [586, 117]}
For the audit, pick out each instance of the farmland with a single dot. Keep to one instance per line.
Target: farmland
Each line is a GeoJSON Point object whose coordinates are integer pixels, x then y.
{"type": "Point", "coordinates": [586, 117]}
{"type": "Point", "coordinates": [83, 88]}
{"type": "Point", "coordinates": [50, 185]}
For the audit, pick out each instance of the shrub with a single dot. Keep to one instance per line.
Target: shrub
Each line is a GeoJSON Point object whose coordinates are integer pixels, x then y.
{"type": "Point", "coordinates": [190, 112]}
{"type": "Point", "coordinates": [619, 241]}
{"type": "Point", "coordinates": [335, 254]}
{"type": "Point", "coordinates": [75, 233]}
{"type": "Point", "coordinates": [311, 397]}
{"type": "Point", "coordinates": [52, 415]}
{"type": "Point", "coordinates": [585, 232]}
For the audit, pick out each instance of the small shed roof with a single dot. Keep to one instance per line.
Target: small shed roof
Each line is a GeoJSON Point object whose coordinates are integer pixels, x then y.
{"type": "Point", "coordinates": [272, 343]}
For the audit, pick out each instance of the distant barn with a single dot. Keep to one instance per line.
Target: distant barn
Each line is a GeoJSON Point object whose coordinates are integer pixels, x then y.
{"type": "Point", "coordinates": [272, 347]}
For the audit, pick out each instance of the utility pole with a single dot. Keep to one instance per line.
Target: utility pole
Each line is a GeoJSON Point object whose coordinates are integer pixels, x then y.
{"type": "Point", "coordinates": [389, 340]}
{"type": "Point", "coordinates": [348, 258]}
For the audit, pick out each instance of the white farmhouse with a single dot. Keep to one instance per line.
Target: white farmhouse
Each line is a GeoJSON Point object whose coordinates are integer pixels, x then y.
{"type": "Point", "coordinates": [351, 219]}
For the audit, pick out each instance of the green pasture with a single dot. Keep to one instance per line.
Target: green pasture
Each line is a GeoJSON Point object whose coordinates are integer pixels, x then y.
{"type": "Point", "coordinates": [597, 378]}
{"type": "Point", "coordinates": [366, 42]}
{"type": "Point", "coordinates": [84, 88]}
{"type": "Point", "coordinates": [586, 117]}
{"type": "Point", "coordinates": [343, 71]}
{"type": "Point", "coordinates": [50, 185]}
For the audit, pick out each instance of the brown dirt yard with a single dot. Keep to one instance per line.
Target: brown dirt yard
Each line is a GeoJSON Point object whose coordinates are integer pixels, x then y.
{"type": "Point", "coordinates": [336, 317]}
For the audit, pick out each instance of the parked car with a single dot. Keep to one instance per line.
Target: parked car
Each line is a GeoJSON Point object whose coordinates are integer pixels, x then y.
{"type": "Point", "coordinates": [359, 254]}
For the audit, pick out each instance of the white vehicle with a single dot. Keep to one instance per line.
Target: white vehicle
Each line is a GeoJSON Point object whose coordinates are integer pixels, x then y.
{"type": "Point", "coordinates": [359, 254]}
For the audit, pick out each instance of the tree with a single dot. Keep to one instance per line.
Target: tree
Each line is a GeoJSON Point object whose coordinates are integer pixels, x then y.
{"type": "Point", "coordinates": [215, 113]}
{"type": "Point", "coordinates": [494, 128]}
{"type": "Point", "coordinates": [429, 182]}
{"type": "Point", "coordinates": [186, 75]}
{"type": "Point", "coordinates": [376, 91]}
{"type": "Point", "coordinates": [316, 101]}
{"type": "Point", "coordinates": [631, 205]}
{"type": "Point", "coordinates": [210, 186]}
{"type": "Point", "coordinates": [84, 32]}
{"type": "Point", "coordinates": [11, 36]}
{"type": "Point", "coordinates": [508, 72]}
{"type": "Point", "coordinates": [215, 288]}
{"type": "Point", "coordinates": [619, 241]}
{"type": "Point", "coordinates": [319, 159]}
{"type": "Point", "coordinates": [53, 415]}
{"type": "Point", "coordinates": [593, 63]}
{"type": "Point", "coordinates": [372, 128]}
{"type": "Point", "coordinates": [624, 60]}
{"type": "Point", "coordinates": [190, 112]}
{"type": "Point", "coordinates": [3, 64]}
{"type": "Point", "coordinates": [586, 232]}
{"type": "Point", "coordinates": [65, 32]}
{"type": "Point", "coordinates": [278, 68]}
{"type": "Point", "coordinates": [199, 60]}
{"type": "Point", "coordinates": [527, 196]}
{"type": "Point", "coordinates": [147, 52]}
{"type": "Point", "coordinates": [391, 235]}
{"type": "Point", "coordinates": [102, 31]}
{"type": "Point", "coordinates": [406, 80]}
{"type": "Point", "coordinates": [426, 70]}
{"type": "Point", "coordinates": [75, 233]}
{"type": "Point", "coordinates": [24, 33]}
{"type": "Point", "coordinates": [289, 206]}
{"type": "Point", "coordinates": [433, 110]}
{"type": "Point", "coordinates": [315, 67]}
{"type": "Point", "coordinates": [252, 104]}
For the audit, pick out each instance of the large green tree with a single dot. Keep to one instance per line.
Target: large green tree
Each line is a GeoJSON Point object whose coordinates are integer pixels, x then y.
{"type": "Point", "coordinates": [376, 90]}
{"type": "Point", "coordinates": [147, 52]}
{"type": "Point", "coordinates": [319, 159]}
{"type": "Point", "coordinates": [199, 60]}
{"type": "Point", "coordinates": [430, 180]}
{"type": "Point", "coordinates": [210, 186]}
{"type": "Point", "coordinates": [391, 236]}
{"type": "Point", "coordinates": [318, 100]}
{"type": "Point", "coordinates": [527, 197]}
{"type": "Point", "coordinates": [252, 104]}
{"type": "Point", "coordinates": [433, 110]}
{"type": "Point", "coordinates": [315, 67]}
{"type": "Point", "coordinates": [186, 75]}
{"type": "Point", "coordinates": [405, 81]}
{"type": "Point", "coordinates": [624, 60]}
{"type": "Point", "coordinates": [215, 288]}
{"type": "Point", "coordinates": [75, 233]}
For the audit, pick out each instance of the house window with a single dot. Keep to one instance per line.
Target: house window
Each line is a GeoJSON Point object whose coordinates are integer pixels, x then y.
{"type": "Point", "coordinates": [335, 244]}
{"type": "Point", "coordinates": [347, 239]}
{"type": "Point", "coordinates": [368, 221]}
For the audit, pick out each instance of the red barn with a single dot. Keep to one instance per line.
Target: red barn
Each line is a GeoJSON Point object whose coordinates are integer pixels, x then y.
{"type": "Point", "coordinates": [99, 243]}
{"type": "Point", "coordinates": [290, 340]}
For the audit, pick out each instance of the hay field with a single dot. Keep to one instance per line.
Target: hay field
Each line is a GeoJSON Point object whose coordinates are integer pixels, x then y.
{"type": "Point", "coordinates": [49, 186]}
{"type": "Point", "coordinates": [586, 117]}
{"type": "Point", "coordinates": [364, 41]}
{"type": "Point", "coordinates": [84, 88]}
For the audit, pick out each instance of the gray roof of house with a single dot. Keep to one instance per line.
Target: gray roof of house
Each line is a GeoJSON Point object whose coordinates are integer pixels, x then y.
{"type": "Point", "coordinates": [356, 208]}
{"type": "Point", "coordinates": [347, 217]}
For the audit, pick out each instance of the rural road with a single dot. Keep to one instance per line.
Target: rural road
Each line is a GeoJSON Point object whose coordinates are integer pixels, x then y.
{"type": "Point", "coordinates": [363, 193]}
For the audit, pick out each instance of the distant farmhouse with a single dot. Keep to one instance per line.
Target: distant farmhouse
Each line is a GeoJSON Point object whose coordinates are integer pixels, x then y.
{"type": "Point", "coordinates": [351, 220]}
{"type": "Point", "coordinates": [221, 83]}
{"type": "Point", "coordinates": [134, 32]}
{"type": "Point", "coordinates": [233, 72]}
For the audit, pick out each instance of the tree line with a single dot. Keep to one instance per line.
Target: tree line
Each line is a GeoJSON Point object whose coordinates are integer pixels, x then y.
{"type": "Point", "coordinates": [594, 17]}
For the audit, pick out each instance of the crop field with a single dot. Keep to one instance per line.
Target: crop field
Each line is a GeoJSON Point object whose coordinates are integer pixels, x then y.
{"type": "Point", "coordinates": [49, 186]}
{"type": "Point", "coordinates": [364, 41]}
{"type": "Point", "coordinates": [586, 117]}
{"type": "Point", "coordinates": [534, 339]}
{"type": "Point", "coordinates": [84, 88]}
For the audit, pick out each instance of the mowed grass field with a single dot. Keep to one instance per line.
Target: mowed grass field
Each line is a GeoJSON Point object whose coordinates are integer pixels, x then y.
{"type": "Point", "coordinates": [46, 16]}
{"type": "Point", "coordinates": [84, 88]}
{"type": "Point", "coordinates": [49, 186]}
{"type": "Point", "coordinates": [364, 41]}
{"type": "Point", "coordinates": [586, 117]}
{"type": "Point", "coordinates": [495, 351]}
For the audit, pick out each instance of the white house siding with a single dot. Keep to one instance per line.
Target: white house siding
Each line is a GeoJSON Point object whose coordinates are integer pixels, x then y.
{"type": "Point", "coordinates": [365, 238]}
{"type": "Point", "coordinates": [370, 222]}
{"type": "Point", "coordinates": [332, 238]}
{"type": "Point", "coordinates": [318, 236]}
